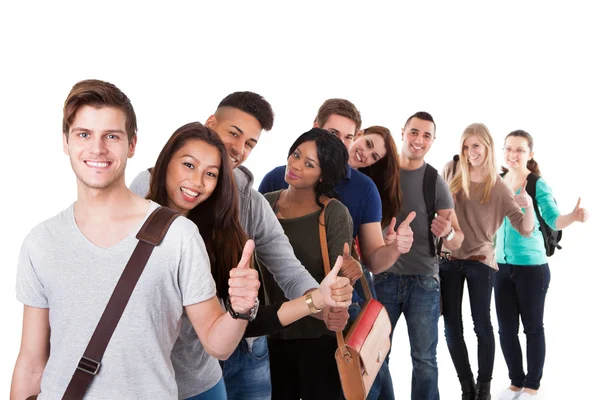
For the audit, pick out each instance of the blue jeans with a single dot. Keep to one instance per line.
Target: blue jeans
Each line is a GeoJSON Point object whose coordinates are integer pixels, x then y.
{"type": "Point", "coordinates": [247, 372]}
{"type": "Point", "coordinates": [480, 281]}
{"type": "Point", "coordinates": [521, 291]}
{"type": "Point", "coordinates": [418, 297]}
{"type": "Point", "coordinates": [216, 392]}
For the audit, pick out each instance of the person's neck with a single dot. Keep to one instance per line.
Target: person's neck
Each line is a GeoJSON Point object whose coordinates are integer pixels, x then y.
{"type": "Point", "coordinates": [103, 204]}
{"type": "Point", "coordinates": [299, 197]}
{"type": "Point", "coordinates": [410, 164]}
{"type": "Point", "coordinates": [477, 174]}
{"type": "Point", "coordinates": [517, 175]}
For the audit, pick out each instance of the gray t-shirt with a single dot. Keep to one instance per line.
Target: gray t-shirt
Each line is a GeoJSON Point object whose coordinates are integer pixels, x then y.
{"type": "Point", "coordinates": [418, 260]}
{"type": "Point", "coordinates": [60, 269]}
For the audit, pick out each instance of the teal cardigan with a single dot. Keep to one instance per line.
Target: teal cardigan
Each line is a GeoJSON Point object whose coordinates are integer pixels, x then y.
{"type": "Point", "coordinates": [512, 248]}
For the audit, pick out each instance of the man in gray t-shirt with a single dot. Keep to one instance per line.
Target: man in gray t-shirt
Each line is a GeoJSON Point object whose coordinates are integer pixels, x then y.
{"type": "Point", "coordinates": [69, 266]}
{"type": "Point", "coordinates": [412, 285]}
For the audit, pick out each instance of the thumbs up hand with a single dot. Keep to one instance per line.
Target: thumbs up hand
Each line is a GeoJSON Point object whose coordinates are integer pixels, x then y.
{"type": "Point", "coordinates": [523, 199]}
{"type": "Point", "coordinates": [441, 226]}
{"type": "Point", "coordinates": [243, 282]}
{"type": "Point", "coordinates": [335, 291]}
{"type": "Point", "coordinates": [390, 234]}
{"type": "Point", "coordinates": [351, 268]}
{"type": "Point", "coordinates": [579, 214]}
{"type": "Point", "coordinates": [404, 235]}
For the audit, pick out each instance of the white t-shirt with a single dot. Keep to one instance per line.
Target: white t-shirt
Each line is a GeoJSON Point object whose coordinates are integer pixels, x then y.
{"type": "Point", "coordinates": [60, 269]}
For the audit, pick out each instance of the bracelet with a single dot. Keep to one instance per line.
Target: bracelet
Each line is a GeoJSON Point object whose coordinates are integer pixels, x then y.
{"type": "Point", "coordinates": [450, 236]}
{"type": "Point", "coordinates": [311, 305]}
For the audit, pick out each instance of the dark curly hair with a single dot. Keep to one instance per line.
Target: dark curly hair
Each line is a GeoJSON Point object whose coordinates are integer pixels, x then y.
{"type": "Point", "coordinates": [253, 104]}
{"type": "Point", "coordinates": [333, 159]}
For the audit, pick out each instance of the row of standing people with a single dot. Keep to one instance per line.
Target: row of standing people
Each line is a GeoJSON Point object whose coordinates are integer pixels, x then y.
{"type": "Point", "coordinates": [193, 175]}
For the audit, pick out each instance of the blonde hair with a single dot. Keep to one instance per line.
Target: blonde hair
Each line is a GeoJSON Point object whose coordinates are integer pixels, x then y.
{"type": "Point", "coordinates": [462, 179]}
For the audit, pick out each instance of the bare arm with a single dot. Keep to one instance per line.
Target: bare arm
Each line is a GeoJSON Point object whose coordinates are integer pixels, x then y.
{"type": "Point", "coordinates": [375, 253]}
{"type": "Point", "coordinates": [379, 259]}
{"type": "Point", "coordinates": [441, 228]}
{"type": "Point", "coordinates": [334, 291]}
{"type": "Point", "coordinates": [578, 214]}
{"type": "Point", "coordinates": [33, 355]}
{"type": "Point", "coordinates": [218, 332]}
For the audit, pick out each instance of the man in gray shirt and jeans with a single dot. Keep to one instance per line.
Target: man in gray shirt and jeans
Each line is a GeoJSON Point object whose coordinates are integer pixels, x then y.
{"type": "Point", "coordinates": [69, 266]}
{"type": "Point", "coordinates": [412, 285]}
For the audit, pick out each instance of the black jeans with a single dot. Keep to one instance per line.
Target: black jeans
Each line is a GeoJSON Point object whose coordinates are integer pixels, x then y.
{"type": "Point", "coordinates": [521, 291]}
{"type": "Point", "coordinates": [480, 281]}
{"type": "Point", "coordinates": [304, 369]}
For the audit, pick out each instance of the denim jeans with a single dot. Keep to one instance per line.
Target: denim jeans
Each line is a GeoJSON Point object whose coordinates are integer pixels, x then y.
{"type": "Point", "coordinates": [418, 297]}
{"type": "Point", "coordinates": [521, 291]}
{"type": "Point", "coordinates": [247, 372]}
{"type": "Point", "coordinates": [480, 281]}
{"type": "Point", "coordinates": [216, 392]}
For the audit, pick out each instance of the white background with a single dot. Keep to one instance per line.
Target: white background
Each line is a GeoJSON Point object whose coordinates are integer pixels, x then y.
{"type": "Point", "coordinates": [510, 66]}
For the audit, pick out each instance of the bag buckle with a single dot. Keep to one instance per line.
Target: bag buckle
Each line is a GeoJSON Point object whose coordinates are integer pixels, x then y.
{"type": "Point", "coordinates": [346, 354]}
{"type": "Point", "coordinates": [88, 365]}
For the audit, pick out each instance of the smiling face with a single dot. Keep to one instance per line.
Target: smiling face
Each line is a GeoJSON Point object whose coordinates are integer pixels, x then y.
{"type": "Point", "coordinates": [192, 175]}
{"type": "Point", "coordinates": [366, 150]}
{"type": "Point", "coordinates": [303, 169]}
{"type": "Point", "coordinates": [98, 148]}
{"type": "Point", "coordinates": [238, 130]}
{"type": "Point", "coordinates": [517, 152]}
{"type": "Point", "coordinates": [474, 151]}
{"type": "Point", "coordinates": [417, 138]}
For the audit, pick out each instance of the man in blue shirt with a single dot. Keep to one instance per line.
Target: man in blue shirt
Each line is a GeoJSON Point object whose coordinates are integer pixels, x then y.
{"type": "Point", "coordinates": [359, 194]}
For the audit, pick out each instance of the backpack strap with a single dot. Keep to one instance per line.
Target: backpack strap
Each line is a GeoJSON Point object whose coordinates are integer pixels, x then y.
{"type": "Point", "coordinates": [455, 159]}
{"type": "Point", "coordinates": [429, 193]}
{"type": "Point", "coordinates": [150, 235]}
{"type": "Point", "coordinates": [530, 188]}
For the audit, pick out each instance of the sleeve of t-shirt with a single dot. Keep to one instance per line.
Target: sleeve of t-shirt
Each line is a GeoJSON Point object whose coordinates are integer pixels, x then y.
{"type": "Point", "coordinates": [371, 211]}
{"type": "Point", "coordinates": [195, 278]}
{"type": "Point", "coordinates": [30, 290]}
{"type": "Point", "coordinates": [274, 180]}
{"type": "Point", "coordinates": [338, 226]}
{"type": "Point", "coordinates": [141, 183]}
{"type": "Point", "coordinates": [546, 204]}
{"type": "Point", "coordinates": [443, 197]}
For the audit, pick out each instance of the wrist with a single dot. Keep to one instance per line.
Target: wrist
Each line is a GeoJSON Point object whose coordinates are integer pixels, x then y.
{"type": "Point", "coordinates": [318, 299]}
{"type": "Point", "coordinates": [450, 234]}
{"type": "Point", "coordinates": [310, 303]}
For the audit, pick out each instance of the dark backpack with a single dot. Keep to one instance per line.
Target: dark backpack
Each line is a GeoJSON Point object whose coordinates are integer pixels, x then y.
{"type": "Point", "coordinates": [429, 192]}
{"type": "Point", "coordinates": [551, 237]}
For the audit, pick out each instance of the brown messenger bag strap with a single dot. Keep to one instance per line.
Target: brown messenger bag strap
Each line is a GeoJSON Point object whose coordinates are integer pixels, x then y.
{"type": "Point", "coordinates": [150, 235]}
{"type": "Point", "coordinates": [327, 265]}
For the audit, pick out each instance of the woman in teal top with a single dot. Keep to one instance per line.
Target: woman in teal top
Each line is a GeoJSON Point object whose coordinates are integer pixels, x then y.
{"type": "Point", "coordinates": [523, 273]}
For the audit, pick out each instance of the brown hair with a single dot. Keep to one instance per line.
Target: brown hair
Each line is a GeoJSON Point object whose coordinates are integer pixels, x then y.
{"type": "Point", "coordinates": [217, 217]}
{"type": "Point", "coordinates": [386, 175]}
{"type": "Point", "coordinates": [341, 107]}
{"type": "Point", "coordinates": [532, 165]}
{"type": "Point", "coordinates": [95, 93]}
